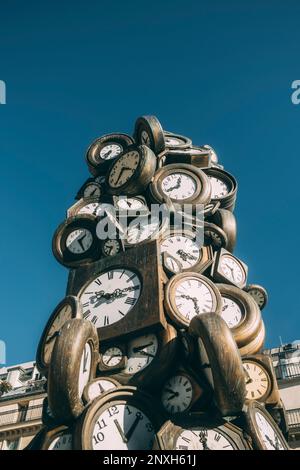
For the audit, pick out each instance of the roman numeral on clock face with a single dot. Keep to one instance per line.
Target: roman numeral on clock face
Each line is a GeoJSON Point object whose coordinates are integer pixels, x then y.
{"type": "Point", "coordinates": [130, 301]}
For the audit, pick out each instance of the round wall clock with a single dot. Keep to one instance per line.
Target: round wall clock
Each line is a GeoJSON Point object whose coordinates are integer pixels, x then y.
{"type": "Point", "coordinates": [97, 387]}
{"type": "Point", "coordinates": [223, 187]}
{"type": "Point", "coordinates": [180, 392]}
{"type": "Point", "coordinates": [259, 379]}
{"type": "Point", "coordinates": [258, 293]}
{"type": "Point", "coordinates": [148, 131]}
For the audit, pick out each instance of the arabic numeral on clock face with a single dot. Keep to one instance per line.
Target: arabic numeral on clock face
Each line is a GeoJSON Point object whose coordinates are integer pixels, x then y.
{"type": "Point", "coordinates": [99, 437]}
{"type": "Point", "coordinates": [149, 427]}
{"type": "Point", "coordinates": [113, 410]}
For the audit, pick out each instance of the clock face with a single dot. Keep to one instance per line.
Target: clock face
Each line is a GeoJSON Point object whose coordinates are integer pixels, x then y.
{"type": "Point", "coordinates": [92, 190]}
{"type": "Point", "coordinates": [79, 241]}
{"type": "Point", "coordinates": [112, 356]}
{"type": "Point", "coordinates": [110, 151]}
{"type": "Point", "coordinates": [258, 296]}
{"type": "Point", "coordinates": [179, 186]}
{"type": "Point", "coordinates": [183, 249]}
{"type": "Point", "coordinates": [145, 138]}
{"type": "Point", "coordinates": [66, 313]}
{"type": "Point", "coordinates": [98, 387]}
{"type": "Point", "coordinates": [122, 427]}
{"type": "Point", "coordinates": [232, 269]}
{"type": "Point", "coordinates": [85, 368]}
{"type": "Point", "coordinates": [130, 203]}
{"type": "Point", "coordinates": [231, 312]}
{"type": "Point", "coordinates": [268, 433]}
{"type": "Point", "coordinates": [173, 141]}
{"type": "Point", "coordinates": [123, 169]}
{"type": "Point", "coordinates": [257, 380]}
{"type": "Point", "coordinates": [219, 188]}
{"type": "Point", "coordinates": [140, 353]}
{"type": "Point", "coordinates": [111, 247]}
{"type": "Point", "coordinates": [110, 296]}
{"type": "Point", "coordinates": [203, 439]}
{"type": "Point", "coordinates": [177, 394]}
{"type": "Point", "coordinates": [62, 442]}
{"type": "Point", "coordinates": [142, 229]}
{"type": "Point", "coordinates": [193, 297]}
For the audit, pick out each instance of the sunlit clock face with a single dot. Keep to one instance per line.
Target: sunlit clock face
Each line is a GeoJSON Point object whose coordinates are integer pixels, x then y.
{"type": "Point", "coordinates": [64, 314]}
{"type": "Point", "coordinates": [62, 442]}
{"type": "Point", "coordinates": [203, 439]}
{"type": "Point", "coordinates": [232, 270]}
{"type": "Point", "coordinates": [142, 229]}
{"type": "Point", "coordinates": [123, 169]}
{"type": "Point", "coordinates": [193, 297]}
{"type": "Point", "coordinates": [179, 186]}
{"type": "Point", "coordinates": [92, 190]}
{"type": "Point", "coordinates": [122, 427]}
{"type": "Point", "coordinates": [257, 380]}
{"type": "Point", "coordinates": [177, 394]}
{"type": "Point", "coordinates": [110, 151]}
{"type": "Point", "coordinates": [219, 188]}
{"type": "Point", "coordinates": [110, 296]}
{"type": "Point", "coordinates": [79, 241]}
{"type": "Point", "coordinates": [231, 312]}
{"type": "Point", "coordinates": [112, 357]}
{"type": "Point", "coordinates": [85, 368]}
{"type": "Point", "coordinates": [268, 433]}
{"type": "Point", "coordinates": [130, 203]}
{"type": "Point", "coordinates": [111, 247]}
{"type": "Point", "coordinates": [182, 249]}
{"type": "Point", "coordinates": [140, 353]}
{"type": "Point", "coordinates": [99, 387]}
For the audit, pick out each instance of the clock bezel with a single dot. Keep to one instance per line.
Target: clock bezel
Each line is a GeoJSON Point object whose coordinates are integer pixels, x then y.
{"type": "Point", "coordinates": [186, 141]}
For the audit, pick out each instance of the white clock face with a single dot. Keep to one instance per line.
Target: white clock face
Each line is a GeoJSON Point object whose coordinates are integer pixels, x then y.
{"type": "Point", "coordinates": [123, 169]}
{"type": "Point", "coordinates": [232, 270]}
{"type": "Point", "coordinates": [66, 313]}
{"type": "Point", "coordinates": [110, 151]}
{"type": "Point", "coordinates": [123, 427]}
{"type": "Point", "coordinates": [112, 356]}
{"type": "Point", "coordinates": [193, 297]}
{"type": "Point", "coordinates": [203, 439]}
{"type": "Point", "coordinates": [258, 296]}
{"type": "Point", "coordinates": [140, 353]}
{"type": "Point", "coordinates": [79, 241]}
{"type": "Point", "coordinates": [93, 208]}
{"type": "Point", "coordinates": [145, 138]}
{"type": "Point", "coordinates": [219, 188]}
{"type": "Point", "coordinates": [183, 249]}
{"type": "Point", "coordinates": [257, 380]}
{"type": "Point", "coordinates": [179, 186]}
{"type": "Point", "coordinates": [173, 141]}
{"type": "Point", "coordinates": [177, 394]}
{"type": "Point", "coordinates": [142, 229]}
{"type": "Point", "coordinates": [92, 190]}
{"type": "Point", "coordinates": [110, 296]}
{"type": "Point", "coordinates": [85, 368]}
{"type": "Point", "coordinates": [111, 247]}
{"type": "Point", "coordinates": [130, 203]}
{"type": "Point", "coordinates": [231, 312]}
{"type": "Point", "coordinates": [99, 387]}
{"type": "Point", "coordinates": [62, 442]}
{"type": "Point", "coordinates": [268, 434]}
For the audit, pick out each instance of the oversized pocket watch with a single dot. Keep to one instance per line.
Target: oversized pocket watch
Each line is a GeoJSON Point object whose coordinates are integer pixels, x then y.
{"type": "Point", "coordinates": [229, 269]}
{"type": "Point", "coordinates": [104, 150]}
{"type": "Point", "coordinates": [258, 293]}
{"type": "Point", "coordinates": [94, 206]}
{"type": "Point", "coordinates": [142, 360]}
{"type": "Point", "coordinates": [113, 292]}
{"type": "Point", "coordinates": [91, 188]}
{"type": "Point", "coordinates": [176, 141]}
{"type": "Point", "coordinates": [241, 314]}
{"type": "Point", "coordinates": [148, 131]}
{"type": "Point", "coordinates": [261, 427]}
{"type": "Point", "coordinates": [214, 236]}
{"type": "Point", "coordinates": [220, 361]}
{"type": "Point", "coordinates": [181, 252]}
{"type": "Point", "coordinates": [121, 419]}
{"type": "Point", "coordinates": [74, 361]}
{"type": "Point", "coordinates": [131, 173]}
{"type": "Point", "coordinates": [188, 295]}
{"type": "Point", "coordinates": [226, 221]}
{"type": "Point", "coordinates": [58, 438]}
{"type": "Point", "coordinates": [96, 387]}
{"type": "Point", "coordinates": [67, 309]}
{"type": "Point", "coordinates": [223, 187]}
{"type": "Point", "coordinates": [75, 241]}
{"type": "Point", "coordinates": [205, 434]}
{"type": "Point", "coordinates": [261, 383]}
{"type": "Point", "coordinates": [182, 184]}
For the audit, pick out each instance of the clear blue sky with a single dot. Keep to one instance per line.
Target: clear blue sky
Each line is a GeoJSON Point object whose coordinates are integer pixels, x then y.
{"type": "Point", "coordinates": [219, 72]}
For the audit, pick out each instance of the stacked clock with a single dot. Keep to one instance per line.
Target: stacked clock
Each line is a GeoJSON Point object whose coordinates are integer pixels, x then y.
{"type": "Point", "coordinates": [158, 342]}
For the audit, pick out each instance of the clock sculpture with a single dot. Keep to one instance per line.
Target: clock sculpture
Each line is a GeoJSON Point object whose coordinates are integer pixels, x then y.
{"type": "Point", "coordinates": [158, 342]}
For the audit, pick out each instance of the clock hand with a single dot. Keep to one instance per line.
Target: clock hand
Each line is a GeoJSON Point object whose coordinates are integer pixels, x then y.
{"type": "Point", "coordinates": [248, 378]}
{"type": "Point", "coordinates": [174, 187]}
{"type": "Point", "coordinates": [111, 357]}
{"type": "Point", "coordinates": [140, 348]}
{"type": "Point", "coordinates": [80, 241]}
{"type": "Point", "coordinates": [185, 256]}
{"type": "Point", "coordinates": [117, 424]}
{"type": "Point", "coordinates": [132, 429]}
{"type": "Point", "coordinates": [270, 441]}
{"type": "Point", "coordinates": [203, 440]}
{"type": "Point", "coordinates": [107, 154]}
{"type": "Point", "coordinates": [125, 168]}
{"type": "Point", "coordinates": [52, 336]}
{"type": "Point", "coordinates": [224, 307]}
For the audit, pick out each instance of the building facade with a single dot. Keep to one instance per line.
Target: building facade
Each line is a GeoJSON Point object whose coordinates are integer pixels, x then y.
{"type": "Point", "coordinates": [21, 405]}
{"type": "Point", "coordinates": [286, 361]}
